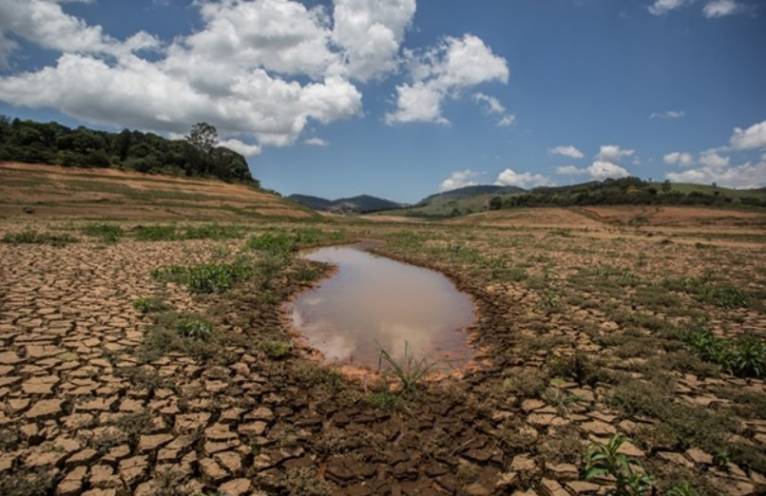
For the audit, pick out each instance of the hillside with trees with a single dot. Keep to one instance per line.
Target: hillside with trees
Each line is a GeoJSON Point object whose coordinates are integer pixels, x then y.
{"type": "Point", "coordinates": [53, 143]}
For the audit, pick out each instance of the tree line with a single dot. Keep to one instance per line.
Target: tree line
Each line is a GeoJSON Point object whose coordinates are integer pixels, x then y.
{"type": "Point", "coordinates": [626, 191]}
{"type": "Point", "coordinates": [53, 143]}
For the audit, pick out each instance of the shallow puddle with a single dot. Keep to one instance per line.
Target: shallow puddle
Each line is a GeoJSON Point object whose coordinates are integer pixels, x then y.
{"type": "Point", "coordinates": [373, 302]}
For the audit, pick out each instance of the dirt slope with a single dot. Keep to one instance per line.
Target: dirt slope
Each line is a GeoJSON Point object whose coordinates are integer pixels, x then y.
{"type": "Point", "coordinates": [53, 191]}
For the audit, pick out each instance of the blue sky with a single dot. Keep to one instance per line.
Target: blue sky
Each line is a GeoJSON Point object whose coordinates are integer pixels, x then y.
{"type": "Point", "coordinates": [399, 99]}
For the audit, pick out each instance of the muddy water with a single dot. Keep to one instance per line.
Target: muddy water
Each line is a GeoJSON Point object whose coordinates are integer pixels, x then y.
{"type": "Point", "coordinates": [372, 302]}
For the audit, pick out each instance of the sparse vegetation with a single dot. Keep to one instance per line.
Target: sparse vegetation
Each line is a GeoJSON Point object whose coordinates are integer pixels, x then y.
{"type": "Point", "coordinates": [38, 238]}
{"type": "Point", "coordinates": [209, 277]}
{"type": "Point", "coordinates": [605, 460]}
{"type": "Point", "coordinates": [108, 233]}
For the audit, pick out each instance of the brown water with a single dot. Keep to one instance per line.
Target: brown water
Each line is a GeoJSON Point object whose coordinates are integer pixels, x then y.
{"type": "Point", "coordinates": [374, 302]}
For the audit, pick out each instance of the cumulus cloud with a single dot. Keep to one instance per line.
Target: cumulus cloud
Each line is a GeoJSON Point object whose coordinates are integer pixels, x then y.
{"type": "Point", "coordinates": [525, 180]}
{"type": "Point", "coordinates": [750, 138]}
{"type": "Point", "coordinates": [660, 7]}
{"type": "Point", "coordinates": [460, 179]}
{"type": "Point", "coordinates": [261, 69]}
{"type": "Point", "coordinates": [570, 170]}
{"type": "Point", "coordinates": [679, 158]}
{"type": "Point", "coordinates": [371, 31]}
{"type": "Point", "coordinates": [613, 153]}
{"type": "Point", "coordinates": [567, 151]}
{"type": "Point", "coordinates": [315, 142]}
{"type": "Point", "coordinates": [720, 8]}
{"type": "Point", "coordinates": [741, 176]}
{"type": "Point", "coordinates": [601, 170]}
{"type": "Point", "coordinates": [668, 114]}
{"type": "Point", "coordinates": [445, 70]}
{"type": "Point", "coordinates": [711, 158]}
{"type": "Point", "coordinates": [493, 106]}
{"type": "Point", "coordinates": [243, 148]}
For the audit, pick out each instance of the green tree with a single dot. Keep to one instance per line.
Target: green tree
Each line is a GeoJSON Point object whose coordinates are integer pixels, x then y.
{"type": "Point", "coordinates": [203, 137]}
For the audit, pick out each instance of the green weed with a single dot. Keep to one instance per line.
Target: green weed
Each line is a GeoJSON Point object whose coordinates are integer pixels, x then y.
{"type": "Point", "coordinates": [206, 278]}
{"type": "Point", "coordinates": [36, 238]}
{"type": "Point", "coordinates": [149, 304]}
{"type": "Point", "coordinates": [108, 233]}
{"type": "Point", "coordinates": [605, 460]}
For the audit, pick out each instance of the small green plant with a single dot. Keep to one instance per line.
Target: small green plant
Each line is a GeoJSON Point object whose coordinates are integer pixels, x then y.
{"type": "Point", "coordinates": [149, 304]}
{"type": "Point", "coordinates": [383, 400]}
{"type": "Point", "coordinates": [279, 242]}
{"type": "Point", "coordinates": [36, 238]}
{"type": "Point", "coordinates": [605, 460]}
{"type": "Point", "coordinates": [277, 350]}
{"type": "Point", "coordinates": [190, 326]}
{"type": "Point", "coordinates": [206, 278]}
{"type": "Point", "coordinates": [703, 289]}
{"type": "Point", "coordinates": [155, 233]}
{"type": "Point", "coordinates": [410, 371]}
{"type": "Point", "coordinates": [744, 356]}
{"type": "Point", "coordinates": [108, 233]}
{"type": "Point", "coordinates": [681, 489]}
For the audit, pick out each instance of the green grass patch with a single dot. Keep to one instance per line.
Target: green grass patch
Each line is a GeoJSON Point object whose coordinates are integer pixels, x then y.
{"type": "Point", "coordinates": [704, 290]}
{"type": "Point", "coordinates": [744, 356]}
{"type": "Point", "coordinates": [208, 277]}
{"type": "Point", "coordinates": [277, 350]}
{"type": "Point", "coordinates": [108, 233]}
{"type": "Point", "coordinates": [36, 238]}
{"type": "Point", "coordinates": [180, 233]}
{"type": "Point", "coordinates": [150, 304]}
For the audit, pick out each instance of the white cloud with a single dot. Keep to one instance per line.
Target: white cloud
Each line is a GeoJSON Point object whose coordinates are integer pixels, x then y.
{"type": "Point", "coordinates": [240, 147]}
{"type": "Point", "coordinates": [525, 180]}
{"type": "Point", "coordinates": [45, 23]}
{"type": "Point", "coordinates": [720, 8]}
{"type": "Point", "coordinates": [454, 65]}
{"type": "Point", "coordinates": [679, 158]}
{"type": "Point", "coordinates": [660, 7]}
{"type": "Point", "coordinates": [262, 69]}
{"type": "Point", "coordinates": [668, 114]}
{"type": "Point", "coordinates": [570, 170]}
{"type": "Point", "coordinates": [742, 176]}
{"type": "Point", "coordinates": [711, 158]}
{"type": "Point", "coordinates": [567, 151]}
{"type": "Point", "coordinates": [315, 142]}
{"type": "Point", "coordinates": [613, 153]}
{"type": "Point", "coordinates": [601, 170]}
{"type": "Point", "coordinates": [507, 120]}
{"type": "Point", "coordinates": [750, 138]}
{"type": "Point", "coordinates": [493, 106]}
{"type": "Point", "coordinates": [459, 179]}
{"type": "Point", "coordinates": [371, 32]}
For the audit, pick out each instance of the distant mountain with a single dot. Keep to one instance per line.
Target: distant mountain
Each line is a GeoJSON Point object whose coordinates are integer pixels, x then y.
{"type": "Point", "coordinates": [356, 204]}
{"type": "Point", "coordinates": [459, 201]}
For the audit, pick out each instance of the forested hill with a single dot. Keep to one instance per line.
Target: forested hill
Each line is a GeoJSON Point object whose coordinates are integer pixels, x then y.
{"type": "Point", "coordinates": [53, 143]}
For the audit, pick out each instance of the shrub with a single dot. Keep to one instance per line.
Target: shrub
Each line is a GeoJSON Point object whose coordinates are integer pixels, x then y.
{"type": "Point", "coordinates": [33, 237]}
{"type": "Point", "coordinates": [277, 350]}
{"type": "Point", "coordinates": [603, 460]}
{"type": "Point", "coordinates": [190, 326]}
{"type": "Point", "coordinates": [149, 304]}
{"type": "Point", "coordinates": [108, 233]}
{"type": "Point", "coordinates": [206, 278]}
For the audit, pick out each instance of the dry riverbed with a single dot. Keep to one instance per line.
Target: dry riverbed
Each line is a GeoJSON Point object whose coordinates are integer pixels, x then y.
{"type": "Point", "coordinates": [151, 361]}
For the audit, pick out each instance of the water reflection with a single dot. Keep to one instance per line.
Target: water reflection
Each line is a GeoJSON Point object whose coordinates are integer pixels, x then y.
{"type": "Point", "coordinates": [374, 302]}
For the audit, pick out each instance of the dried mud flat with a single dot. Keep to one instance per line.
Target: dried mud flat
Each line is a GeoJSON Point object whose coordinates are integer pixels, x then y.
{"type": "Point", "coordinates": [581, 340]}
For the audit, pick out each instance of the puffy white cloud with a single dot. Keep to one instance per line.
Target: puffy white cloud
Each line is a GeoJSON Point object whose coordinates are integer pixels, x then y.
{"type": "Point", "coordinates": [525, 180]}
{"type": "Point", "coordinates": [263, 69]}
{"type": "Point", "coordinates": [315, 142]}
{"type": "Point", "coordinates": [570, 170]}
{"type": "Point", "coordinates": [45, 23]}
{"type": "Point", "coordinates": [454, 65]}
{"type": "Point", "coordinates": [742, 176]}
{"type": "Point", "coordinates": [460, 179]}
{"type": "Point", "coordinates": [679, 158]}
{"type": "Point", "coordinates": [721, 8]}
{"type": "Point", "coordinates": [567, 151]}
{"type": "Point", "coordinates": [601, 170]}
{"type": "Point", "coordinates": [493, 106]}
{"type": "Point", "coordinates": [711, 158]}
{"type": "Point", "coordinates": [613, 153]}
{"type": "Point", "coordinates": [240, 147]}
{"type": "Point", "coordinates": [750, 138]}
{"type": "Point", "coordinates": [371, 32]}
{"type": "Point", "coordinates": [660, 7]}
{"type": "Point", "coordinates": [668, 114]}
